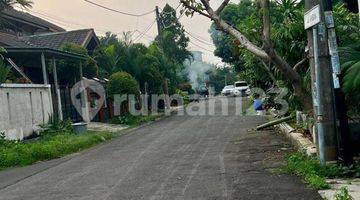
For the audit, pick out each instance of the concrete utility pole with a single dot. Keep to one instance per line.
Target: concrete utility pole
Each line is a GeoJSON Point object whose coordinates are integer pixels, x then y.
{"type": "Point", "coordinates": [322, 80]}
{"type": "Point", "coordinates": [158, 20]}
{"type": "Point", "coordinates": [165, 83]}
{"type": "Point", "coordinates": [345, 146]}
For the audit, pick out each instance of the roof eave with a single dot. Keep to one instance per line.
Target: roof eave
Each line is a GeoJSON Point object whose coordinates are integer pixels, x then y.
{"type": "Point", "coordinates": [52, 52]}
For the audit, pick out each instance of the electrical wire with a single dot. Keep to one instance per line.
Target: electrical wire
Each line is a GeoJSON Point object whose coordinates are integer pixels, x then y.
{"type": "Point", "coordinates": [199, 40]}
{"type": "Point", "coordinates": [142, 33]}
{"type": "Point", "coordinates": [203, 48]}
{"type": "Point", "coordinates": [117, 11]}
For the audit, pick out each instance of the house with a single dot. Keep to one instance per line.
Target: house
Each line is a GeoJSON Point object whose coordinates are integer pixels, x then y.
{"type": "Point", "coordinates": [33, 45]}
{"type": "Point", "coordinates": [21, 23]}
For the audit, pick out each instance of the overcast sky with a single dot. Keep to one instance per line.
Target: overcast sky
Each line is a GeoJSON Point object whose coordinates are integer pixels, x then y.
{"type": "Point", "coordinates": [77, 14]}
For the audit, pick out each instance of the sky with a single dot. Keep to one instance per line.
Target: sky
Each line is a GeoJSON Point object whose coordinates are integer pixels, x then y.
{"type": "Point", "coordinates": [78, 14]}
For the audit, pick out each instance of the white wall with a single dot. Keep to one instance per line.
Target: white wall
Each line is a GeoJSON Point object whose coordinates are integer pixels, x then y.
{"type": "Point", "coordinates": [23, 107]}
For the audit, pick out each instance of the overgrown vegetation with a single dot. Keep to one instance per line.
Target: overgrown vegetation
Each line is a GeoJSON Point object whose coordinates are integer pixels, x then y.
{"type": "Point", "coordinates": [15, 153]}
{"type": "Point", "coordinates": [343, 194]}
{"type": "Point", "coordinates": [315, 174]}
{"type": "Point", "coordinates": [150, 66]}
{"type": "Point", "coordinates": [132, 120]}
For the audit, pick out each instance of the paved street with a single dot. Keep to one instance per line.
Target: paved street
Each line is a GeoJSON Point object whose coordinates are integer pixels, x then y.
{"type": "Point", "coordinates": [178, 157]}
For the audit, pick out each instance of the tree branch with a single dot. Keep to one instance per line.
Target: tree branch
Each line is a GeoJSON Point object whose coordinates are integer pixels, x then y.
{"type": "Point", "coordinates": [296, 67]}
{"type": "Point", "coordinates": [269, 54]}
{"type": "Point", "coordinates": [268, 70]}
{"type": "Point", "coordinates": [188, 6]}
{"type": "Point", "coordinates": [222, 6]}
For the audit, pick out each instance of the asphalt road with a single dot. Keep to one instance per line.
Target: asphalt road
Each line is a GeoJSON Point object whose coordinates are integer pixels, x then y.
{"type": "Point", "coordinates": [178, 157]}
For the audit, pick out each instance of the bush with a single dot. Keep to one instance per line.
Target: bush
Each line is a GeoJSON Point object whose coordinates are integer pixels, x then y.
{"type": "Point", "coordinates": [122, 83]}
{"type": "Point", "coordinates": [132, 120]}
{"type": "Point", "coordinates": [185, 96]}
{"type": "Point", "coordinates": [56, 126]}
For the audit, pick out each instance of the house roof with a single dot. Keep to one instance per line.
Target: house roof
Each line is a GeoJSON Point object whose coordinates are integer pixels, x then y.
{"type": "Point", "coordinates": [27, 18]}
{"type": "Point", "coordinates": [9, 40]}
{"type": "Point", "coordinates": [56, 40]}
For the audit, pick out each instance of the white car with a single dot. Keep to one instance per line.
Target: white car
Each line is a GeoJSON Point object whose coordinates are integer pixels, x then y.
{"type": "Point", "coordinates": [228, 90]}
{"type": "Point", "coordinates": [241, 88]}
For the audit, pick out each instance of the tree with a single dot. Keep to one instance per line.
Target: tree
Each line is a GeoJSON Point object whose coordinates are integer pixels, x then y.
{"type": "Point", "coordinates": [263, 50]}
{"type": "Point", "coordinates": [219, 76]}
{"type": "Point", "coordinates": [172, 39]}
{"type": "Point", "coordinates": [351, 69]}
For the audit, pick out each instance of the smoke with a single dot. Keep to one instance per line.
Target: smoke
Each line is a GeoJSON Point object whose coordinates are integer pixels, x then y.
{"type": "Point", "coordinates": [196, 69]}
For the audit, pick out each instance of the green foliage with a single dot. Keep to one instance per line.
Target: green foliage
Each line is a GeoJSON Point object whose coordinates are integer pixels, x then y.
{"type": "Point", "coordinates": [173, 40]}
{"type": "Point", "coordinates": [308, 168]}
{"type": "Point", "coordinates": [131, 120]}
{"type": "Point", "coordinates": [4, 71]}
{"type": "Point", "coordinates": [56, 126]}
{"type": "Point", "coordinates": [122, 83]}
{"type": "Point", "coordinates": [69, 71]}
{"type": "Point", "coordinates": [314, 173]}
{"type": "Point", "coordinates": [146, 64]}
{"type": "Point", "coordinates": [26, 153]}
{"type": "Point", "coordinates": [350, 58]}
{"type": "Point", "coordinates": [343, 194]}
{"type": "Point", "coordinates": [218, 76]}
{"type": "Point", "coordinates": [184, 95]}
{"type": "Point", "coordinates": [288, 37]}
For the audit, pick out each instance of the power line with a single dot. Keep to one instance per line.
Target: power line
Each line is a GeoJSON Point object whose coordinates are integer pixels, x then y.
{"type": "Point", "coordinates": [199, 40]}
{"type": "Point", "coordinates": [117, 11]}
{"type": "Point", "coordinates": [75, 25]}
{"type": "Point", "coordinates": [203, 48]}
{"type": "Point", "coordinates": [144, 32]}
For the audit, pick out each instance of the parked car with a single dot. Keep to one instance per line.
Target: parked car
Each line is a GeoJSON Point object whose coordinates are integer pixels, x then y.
{"type": "Point", "coordinates": [228, 90]}
{"type": "Point", "coordinates": [241, 88]}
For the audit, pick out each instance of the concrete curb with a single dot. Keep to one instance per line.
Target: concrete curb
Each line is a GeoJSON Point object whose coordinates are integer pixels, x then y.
{"type": "Point", "coordinates": [302, 143]}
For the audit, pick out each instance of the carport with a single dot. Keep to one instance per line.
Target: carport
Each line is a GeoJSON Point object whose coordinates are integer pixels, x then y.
{"type": "Point", "coordinates": [28, 58]}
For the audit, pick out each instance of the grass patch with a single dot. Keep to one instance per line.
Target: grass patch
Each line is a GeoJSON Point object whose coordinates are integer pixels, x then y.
{"type": "Point", "coordinates": [16, 154]}
{"type": "Point", "coordinates": [343, 194]}
{"type": "Point", "coordinates": [131, 120]}
{"type": "Point", "coordinates": [315, 174]}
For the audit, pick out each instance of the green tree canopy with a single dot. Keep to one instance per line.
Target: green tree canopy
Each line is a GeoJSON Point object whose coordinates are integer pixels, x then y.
{"type": "Point", "coordinates": [172, 40]}
{"type": "Point", "coordinates": [122, 83]}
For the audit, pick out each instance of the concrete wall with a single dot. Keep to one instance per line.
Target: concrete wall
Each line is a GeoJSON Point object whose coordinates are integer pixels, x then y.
{"type": "Point", "coordinates": [22, 108]}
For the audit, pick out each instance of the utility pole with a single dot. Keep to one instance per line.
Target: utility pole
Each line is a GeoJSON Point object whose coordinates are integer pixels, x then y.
{"type": "Point", "coordinates": [165, 83]}
{"type": "Point", "coordinates": [322, 81]}
{"type": "Point", "coordinates": [158, 20]}
{"type": "Point", "coordinates": [345, 146]}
